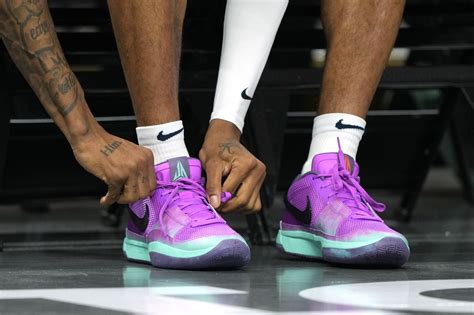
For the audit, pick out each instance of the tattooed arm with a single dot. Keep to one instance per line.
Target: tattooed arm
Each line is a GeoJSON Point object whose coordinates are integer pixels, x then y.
{"type": "Point", "coordinates": [28, 34]}
{"type": "Point", "coordinates": [27, 30]}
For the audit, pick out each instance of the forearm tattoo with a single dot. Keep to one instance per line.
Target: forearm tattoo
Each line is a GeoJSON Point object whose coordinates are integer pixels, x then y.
{"type": "Point", "coordinates": [28, 32]}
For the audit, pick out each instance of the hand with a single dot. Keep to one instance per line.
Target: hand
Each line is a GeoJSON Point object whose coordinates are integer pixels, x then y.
{"type": "Point", "coordinates": [125, 167]}
{"type": "Point", "coordinates": [223, 156]}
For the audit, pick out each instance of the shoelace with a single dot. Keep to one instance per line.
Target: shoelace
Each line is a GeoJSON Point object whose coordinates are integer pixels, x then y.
{"type": "Point", "coordinates": [347, 188]}
{"type": "Point", "coordinates": [190, 204]}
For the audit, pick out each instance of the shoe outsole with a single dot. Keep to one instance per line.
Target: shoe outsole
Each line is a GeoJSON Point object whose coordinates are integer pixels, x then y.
{"type": "Point", "coordinates": [228, 254]}
{"type": "Point", "coordinates": [387, 252]}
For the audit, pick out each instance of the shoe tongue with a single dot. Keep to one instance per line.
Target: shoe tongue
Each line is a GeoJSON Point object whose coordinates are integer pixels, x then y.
{"type": "Point", "coordinates": [324, 162]}
{"type": "Point", "coordinates": [181, 167]}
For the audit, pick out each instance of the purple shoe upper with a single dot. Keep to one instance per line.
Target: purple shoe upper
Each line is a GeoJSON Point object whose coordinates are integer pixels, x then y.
{"type": "Point", "coordinates": [178, 210]}
{"type": "Point", "coordinates": [340, 208]}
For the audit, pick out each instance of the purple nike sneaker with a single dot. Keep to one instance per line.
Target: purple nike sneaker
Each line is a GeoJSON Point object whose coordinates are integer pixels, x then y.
{"type": "Point", "coordinates": [331, 217]}
{"type": "Point", "coordinates": [177, 228]}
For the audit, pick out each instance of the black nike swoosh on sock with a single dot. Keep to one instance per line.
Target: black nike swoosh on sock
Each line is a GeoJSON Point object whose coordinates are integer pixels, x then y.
{"type": "Point", "coordinates": [304, 216]}
{"type": "Point", "coordinates": [340, 125]}
{"type": "Point", "coordinates": [140, 223]}
{"type": "Point", "coordinates": [163, 137]}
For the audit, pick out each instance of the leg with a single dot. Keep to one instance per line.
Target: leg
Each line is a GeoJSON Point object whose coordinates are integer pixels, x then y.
{"type": "Point", "coordinates": [174, 228]}
{"type": "Point", "coordinates": [360, 35]}
{"type": "Point", "coordinates": [148, 37]}
{"type": "Point", "coordinates": [150, 52]}
{"type": "Point", "coordinates": [330, 199]}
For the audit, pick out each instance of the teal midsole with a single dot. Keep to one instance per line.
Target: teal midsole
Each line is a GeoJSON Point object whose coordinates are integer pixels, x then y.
{"type": "Point", "coordinates": [308, 244]}
{"type": "Point", "coordinates": [138, 250]}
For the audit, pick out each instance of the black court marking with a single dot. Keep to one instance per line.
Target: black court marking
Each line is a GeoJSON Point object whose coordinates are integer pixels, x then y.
{"type": "Point", "coordinates": [50, 307]}
{"type": "Point", "coordinates": [462, 294]}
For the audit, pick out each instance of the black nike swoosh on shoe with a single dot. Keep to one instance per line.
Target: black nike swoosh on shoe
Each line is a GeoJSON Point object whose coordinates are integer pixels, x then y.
{"type": "Point", "coordinates": [163, 137]}
{"type": "Point", "coordinates": [304, 216]}
{"type": "Point", "coordinates": [245, 96]}
{"type": "Point", "coordinates": [140, 223]}
{"type": "Point", "coordinates": [340, 125]}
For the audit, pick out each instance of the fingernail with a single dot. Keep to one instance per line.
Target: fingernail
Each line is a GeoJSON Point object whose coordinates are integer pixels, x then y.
{"type": "Point", "coordinates": [214, 201]}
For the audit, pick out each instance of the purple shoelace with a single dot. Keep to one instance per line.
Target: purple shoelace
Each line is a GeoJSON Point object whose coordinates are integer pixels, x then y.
{"type": "Point", "coordinates": [190, 197]}
{"type": "Point", "coordinates": [347, 187]}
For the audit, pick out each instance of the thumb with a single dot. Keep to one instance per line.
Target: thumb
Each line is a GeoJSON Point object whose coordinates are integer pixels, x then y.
{"type": "Point", "coordinates": [214, 183]}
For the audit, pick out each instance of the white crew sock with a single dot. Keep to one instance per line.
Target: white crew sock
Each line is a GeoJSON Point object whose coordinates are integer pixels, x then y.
{"type": "Point", "coordinates": [166, 141]}
{"type": "Point", "coordinates": [327, 128]}
{"type": "Point", "coordinates": [250, 28]}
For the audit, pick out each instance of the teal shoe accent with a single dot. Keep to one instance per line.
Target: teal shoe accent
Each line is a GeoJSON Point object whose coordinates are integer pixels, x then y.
{"type": "Point", "coordinates": [140, 251]}
{"type": "Point", "coordinates": [190, 249]}
{"type": "Point", "coordinates": [136, 250]}
{"type": "Point", "coordinates": [311, 245]}
{"type": "Point", "coordinates": [299, 245]}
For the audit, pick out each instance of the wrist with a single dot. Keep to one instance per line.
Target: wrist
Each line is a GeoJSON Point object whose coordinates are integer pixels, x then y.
{"type": "Point", "coordinates": [224, 128]}
{"type": "Point", "coordinates": [81, 126]}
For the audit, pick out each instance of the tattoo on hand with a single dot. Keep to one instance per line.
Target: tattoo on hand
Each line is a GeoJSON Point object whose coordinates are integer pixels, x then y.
{"type": "Point", "coordinates": [110, 148]}
{"type": "Point", "coordinates": [226, 147]}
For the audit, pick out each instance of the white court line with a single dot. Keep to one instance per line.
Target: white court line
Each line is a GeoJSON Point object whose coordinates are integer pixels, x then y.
{"type": "Point", "coordinates": [394, 295]}
{"type": "Point", "coordinates": [157, 300]}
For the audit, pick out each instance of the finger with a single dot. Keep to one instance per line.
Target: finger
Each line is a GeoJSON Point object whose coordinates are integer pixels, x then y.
{"type": "Point", "coordinates": [256, 208]}
{"type": "Point", "coordinates": [256, 202]}
{"type": "Point", "coordinates": [244, 194]}
{"type": "Point", "coordinates": [131, 191]}
{"type": "Point", "coordinates": [151, 175]}
{"type": "Point", "coordinates": [234, 180]}
{"type": "Point", "coordinates": [144, 189]}
{"type": "Point", "coordinates": [249, 191]}
{"type": "Point", "coordinates": [146, 175]}
{"type": "Point", "coordinates": [238, 203]}
{"type": "Point", "coordinates": [250, 207]}
{"type": "Point", "coordinates": [214, 172]}
{"type": "Point", "coordinates": [147, 181]}
{"type": "Point", "coordinates": [113, 194]}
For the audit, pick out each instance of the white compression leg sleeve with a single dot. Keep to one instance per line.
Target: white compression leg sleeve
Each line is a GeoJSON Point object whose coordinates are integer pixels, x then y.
{"type": "Point", "coordinates": [250, 28]}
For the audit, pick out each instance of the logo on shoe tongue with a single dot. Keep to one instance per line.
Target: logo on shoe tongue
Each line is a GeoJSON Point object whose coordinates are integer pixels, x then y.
{"type": "Point", "coordinates": [180, 172]}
